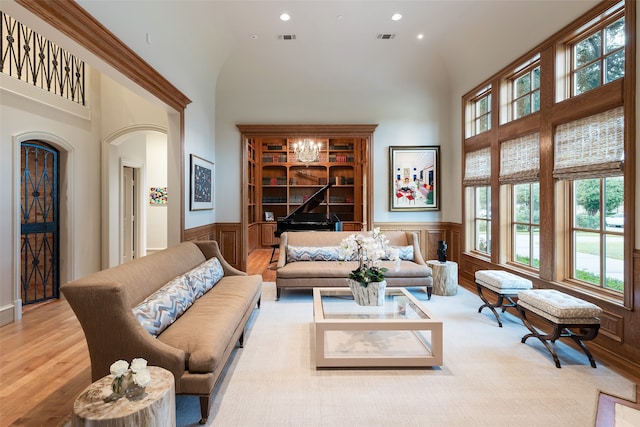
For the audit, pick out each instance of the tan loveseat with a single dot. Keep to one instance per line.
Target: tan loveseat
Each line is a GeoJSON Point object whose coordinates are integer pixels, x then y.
{"type": "Point", "coordinates": [321, 273]}
{"type": "Point", "coordinates": [196, 346]}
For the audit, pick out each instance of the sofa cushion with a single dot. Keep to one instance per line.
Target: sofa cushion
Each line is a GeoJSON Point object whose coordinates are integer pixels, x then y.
{"type": "Point", "coordinates": [341, 269]}
{"type": "Point", "coordinates": [315, 253]}
{"type": "Point", "coordinates": [164, 306]}
{"type": "Point", "coordinates": [205, 276]}
{"type": "Point", "coordinates": [404, 252]}
{"type": "Point", "coordinates": [205, 330]}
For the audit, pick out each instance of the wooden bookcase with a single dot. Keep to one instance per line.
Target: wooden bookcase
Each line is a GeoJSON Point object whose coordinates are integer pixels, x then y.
{"type": "Point", "coordinates": [283, 183]}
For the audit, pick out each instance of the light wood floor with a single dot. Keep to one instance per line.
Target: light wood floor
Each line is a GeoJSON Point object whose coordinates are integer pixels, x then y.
{"type": "Point", "coordinates": [44, 361]}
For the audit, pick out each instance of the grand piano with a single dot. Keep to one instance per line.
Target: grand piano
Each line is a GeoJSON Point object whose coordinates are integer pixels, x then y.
{"type": "Point", "coordinates": [303, 219]}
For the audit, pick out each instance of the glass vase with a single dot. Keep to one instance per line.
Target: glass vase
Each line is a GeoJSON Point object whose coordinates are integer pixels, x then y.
{"type": "Point", "coordinates": [134, 391]}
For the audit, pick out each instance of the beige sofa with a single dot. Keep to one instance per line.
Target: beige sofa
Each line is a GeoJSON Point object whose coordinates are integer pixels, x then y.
{"type": "Point", "coordinates": [196, 345]}
{"type": "Point", "coordinates": [327, 273]}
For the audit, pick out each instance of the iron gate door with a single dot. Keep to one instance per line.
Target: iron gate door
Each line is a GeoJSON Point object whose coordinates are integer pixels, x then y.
{"type": "Point", "coordinates": [39, 269]}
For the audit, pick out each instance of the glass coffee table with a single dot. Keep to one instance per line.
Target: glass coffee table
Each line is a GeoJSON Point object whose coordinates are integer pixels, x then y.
{"type": "Point", "coordinates": [400, 333]}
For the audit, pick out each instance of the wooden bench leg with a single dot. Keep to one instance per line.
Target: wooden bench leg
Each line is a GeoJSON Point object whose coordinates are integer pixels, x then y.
{"type": "Point", "coordinates": [499, 304]}
{"type": "Point", "coordinates": [587, 333]}
{"type": "Point", "coordinates": [543, 338]}
{"type": "Point", "coordinates": [487, 304]}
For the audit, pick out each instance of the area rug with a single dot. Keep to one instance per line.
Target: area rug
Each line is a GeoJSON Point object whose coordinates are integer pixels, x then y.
{"type": "Point", "coordinates": [489, 377]}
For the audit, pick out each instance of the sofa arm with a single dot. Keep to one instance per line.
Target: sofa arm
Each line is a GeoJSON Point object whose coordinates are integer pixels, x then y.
{"type": "Point", "coordinates": [413, 239]}
{"type": "Point", "coordinates": [282, 251]}
{"type": "Point", "coordinates": [211, 249]}
{"type": "Point", "coordinates": [112, 331]}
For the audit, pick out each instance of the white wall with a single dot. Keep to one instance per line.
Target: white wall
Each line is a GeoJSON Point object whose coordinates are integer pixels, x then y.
{"type": "Point", "coordinates": [156, 158]}
{"type": "Point", "coordinates": [411, 106]}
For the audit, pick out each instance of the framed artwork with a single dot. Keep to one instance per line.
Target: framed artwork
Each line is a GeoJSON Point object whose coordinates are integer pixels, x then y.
{"type": "Point", "coordinates": [414, 178]}
{"type": "Point", "coordinates": [268, 216]}
{"type": "Point", "coordinates": [157, 196]}
{"type": "Point", "coordinates": [201, 184]}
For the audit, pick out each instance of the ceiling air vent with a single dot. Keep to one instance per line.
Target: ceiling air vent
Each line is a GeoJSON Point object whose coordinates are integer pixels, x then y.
{"type": "Point", "coordinates": [287, 36]}
{"type": "Point", "coordinates": [386, 36]}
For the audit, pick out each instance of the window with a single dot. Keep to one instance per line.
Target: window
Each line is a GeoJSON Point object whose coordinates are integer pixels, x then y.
{"type": "Point", "coordinates": [589, 152]}
{"type": "Point", "coordinates": [597, 230]}
{"type": "Point", "coordinates": [553, 164]}
{"type": "Point", "coordinates": [482, 220]}
{"type": "Point", "coordinates": [525, 92]}
{"type": "Point", "coordinates": [526, 224]}
{"type": "Point", "coordinates": [598, 58]}
{"type": "Point", "coordinates": [477, 177]}
{"type": "Point", "coordinates": [479, 113]}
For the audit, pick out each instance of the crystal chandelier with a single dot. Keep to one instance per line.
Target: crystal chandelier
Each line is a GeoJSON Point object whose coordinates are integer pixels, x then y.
{"type": "Point", "coordinates": [306, 150]}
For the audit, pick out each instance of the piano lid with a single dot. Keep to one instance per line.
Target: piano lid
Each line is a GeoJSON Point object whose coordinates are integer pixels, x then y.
{"type": "Point", "coordinates": [312, 202]}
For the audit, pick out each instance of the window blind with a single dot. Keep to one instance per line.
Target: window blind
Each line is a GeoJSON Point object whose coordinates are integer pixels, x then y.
{"type": "Point", "coordinates": [520, 159]}
{"type": "Point", "coordinates": [590, 147]}
{"type": "Point", "coordinates": [477, 168]}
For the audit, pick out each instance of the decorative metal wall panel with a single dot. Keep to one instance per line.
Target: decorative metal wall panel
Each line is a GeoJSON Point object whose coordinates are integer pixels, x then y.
{"type": "Point", "coordinates": [29, 57]}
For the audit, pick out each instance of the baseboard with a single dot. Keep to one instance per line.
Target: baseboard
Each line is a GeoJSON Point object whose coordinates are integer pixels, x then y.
{"type": "Point", "coordinates": [8, 313]}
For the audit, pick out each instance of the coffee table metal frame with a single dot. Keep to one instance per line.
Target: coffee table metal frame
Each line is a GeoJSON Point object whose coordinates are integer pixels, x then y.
{"type": "Point", "coordinates": [359, 321]}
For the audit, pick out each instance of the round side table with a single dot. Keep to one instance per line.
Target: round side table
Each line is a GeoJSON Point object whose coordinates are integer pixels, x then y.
{"type": "Point", "coordinates": [157, 407]}
{"type": "Point", "coordinates": [445, 277]}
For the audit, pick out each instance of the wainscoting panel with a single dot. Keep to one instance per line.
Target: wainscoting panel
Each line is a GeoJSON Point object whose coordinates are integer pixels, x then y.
{"type": "Point", "coordinates": [229, 238]}
{"type": "Point", "coordinates": [204, 232]}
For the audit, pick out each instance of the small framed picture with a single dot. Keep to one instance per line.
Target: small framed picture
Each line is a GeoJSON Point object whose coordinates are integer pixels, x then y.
{"type": "Point", "coordinates": [268, 216]}
{"type": "Point", "coordinates": [201, 184]}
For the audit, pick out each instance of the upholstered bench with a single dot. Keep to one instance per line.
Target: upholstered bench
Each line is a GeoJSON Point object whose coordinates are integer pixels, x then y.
{"type": "Point", "coordinates": [506, 285]}
{"type": "Point", "coordinates": [571, 317]}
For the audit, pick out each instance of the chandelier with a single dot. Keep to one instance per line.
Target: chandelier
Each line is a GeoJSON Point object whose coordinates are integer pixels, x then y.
{"type": "Point", "coordinates": [306, 150]}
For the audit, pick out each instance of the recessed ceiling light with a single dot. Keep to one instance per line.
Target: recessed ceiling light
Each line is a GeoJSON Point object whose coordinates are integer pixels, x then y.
{"type": "Point", "coordinates": [396, 17]}
{"type": "Point", "coordinates": [285, 17]}
{"type": "Point", "coordinates": [420, 36]}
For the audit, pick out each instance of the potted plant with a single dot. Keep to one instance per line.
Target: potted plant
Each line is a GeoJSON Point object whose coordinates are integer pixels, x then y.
{"type": "Point", "coordinates": [367, 282]}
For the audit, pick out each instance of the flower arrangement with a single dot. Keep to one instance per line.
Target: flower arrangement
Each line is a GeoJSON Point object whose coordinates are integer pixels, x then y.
{"type": "Point", "coordinates": [129, 379]}
{"type": "Point", "coordinates": [369, 249]}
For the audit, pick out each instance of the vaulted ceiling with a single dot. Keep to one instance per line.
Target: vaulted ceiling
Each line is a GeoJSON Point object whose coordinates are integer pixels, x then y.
{"type": "Point", "coordinates": [189, 41]}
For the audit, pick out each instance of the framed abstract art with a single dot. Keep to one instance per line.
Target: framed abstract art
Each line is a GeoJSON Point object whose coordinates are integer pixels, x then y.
{"type": "Point", "coordinates": [201, 184]}
{"type": "Point", "coordinates": [414, 178]}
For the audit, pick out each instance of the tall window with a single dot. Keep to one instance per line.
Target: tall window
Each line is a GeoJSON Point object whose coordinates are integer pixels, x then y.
{"type": "Point", "coordinates": [482, 219]}
{"type": "Point", "coordinates": [477, 175]}
{"type": "Point", "coordinates": [589, 153]}
{"type": "Point", "coordinates": [598, 232]}
{"type": "Point", "coordinates": [525, 229]}
{"type": "Point", "coordinates": [525, 92]}
{"type": "Point", "coordinates": [598, 58]}
{"type": "Point", "coordinates": [520, 168]}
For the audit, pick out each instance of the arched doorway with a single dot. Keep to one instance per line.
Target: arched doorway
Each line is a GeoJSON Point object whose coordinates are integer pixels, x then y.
{"type": "Point", "coordinates": [40, 216]}
{"type": "Point", "coordinates": [135, 161]}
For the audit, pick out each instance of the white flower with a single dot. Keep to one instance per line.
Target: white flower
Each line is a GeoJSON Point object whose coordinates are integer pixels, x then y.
{"type": "Point", "coordinates": [119, 368]}
{"type": "Point", "coordinates": [142, 377]}
{"type": "Point", "coordinates": [138, 364]}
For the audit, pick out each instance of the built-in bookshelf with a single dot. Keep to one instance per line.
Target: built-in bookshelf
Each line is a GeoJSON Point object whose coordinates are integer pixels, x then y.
{"type": "Point", "coordinates": [284, 183]}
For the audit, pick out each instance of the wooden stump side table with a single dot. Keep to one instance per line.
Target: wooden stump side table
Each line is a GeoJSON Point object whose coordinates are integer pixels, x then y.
{"type": "Point", "coordinates": [157, 407]}
{"type": "Point", "coordinates": [445, 277]}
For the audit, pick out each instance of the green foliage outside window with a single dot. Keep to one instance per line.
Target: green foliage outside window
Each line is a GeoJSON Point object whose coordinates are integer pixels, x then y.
{"type": "Point", "coordinates": [596, 63]}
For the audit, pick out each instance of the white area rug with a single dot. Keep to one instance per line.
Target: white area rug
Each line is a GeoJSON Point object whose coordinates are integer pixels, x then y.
{"type": "Point", "coordinates": [488, 378]}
